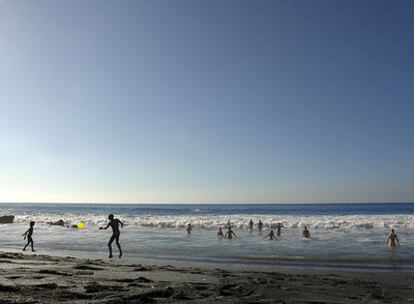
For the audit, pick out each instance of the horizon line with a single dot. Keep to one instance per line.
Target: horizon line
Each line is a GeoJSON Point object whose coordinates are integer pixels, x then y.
{"type": "Point", "coordinates": [207, 203]}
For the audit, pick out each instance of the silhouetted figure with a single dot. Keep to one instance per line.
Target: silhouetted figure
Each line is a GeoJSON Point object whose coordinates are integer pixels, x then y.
{"type": "Point", "coordinates": [306, 234]}
{"type": "Point", "coordinates": [251, 224]}
{"type": "Point", "coordinates": [260, 225]}
{"type": "Point", "coordinates": [228, 225]}
{"type": "Point", "coordinates": [279, 227]}
{"type": "Point", "coordinates": [220, 232]}
{"type": "Point", "coordinates": [114, 223]}
{"type": "Point", "coordinates": [229, 234]}
{"type": "Point", "coordinates": [271, 235]}
{"type": "Point", "coordinates": [392, 239]}
{"type": "Point", "coordinates": [189, 229]}
{"type": "Point", "coordinates": [29, 234]}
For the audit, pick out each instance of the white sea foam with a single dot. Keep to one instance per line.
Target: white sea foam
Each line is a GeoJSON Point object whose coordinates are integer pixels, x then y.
{"type": "Point", "coordinates": [315, 222]}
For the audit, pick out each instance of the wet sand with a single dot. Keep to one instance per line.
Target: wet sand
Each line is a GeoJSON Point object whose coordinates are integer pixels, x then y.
{"type": "Point", "coordinates": [28, 278]}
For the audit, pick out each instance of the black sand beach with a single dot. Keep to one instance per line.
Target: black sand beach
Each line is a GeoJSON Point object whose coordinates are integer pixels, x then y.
{"type": "Point", "coordinates": [28, 278]}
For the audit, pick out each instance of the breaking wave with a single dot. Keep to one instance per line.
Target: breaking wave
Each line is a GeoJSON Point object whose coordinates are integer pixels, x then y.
{"type": "Point", "coordinates": [325, 222]}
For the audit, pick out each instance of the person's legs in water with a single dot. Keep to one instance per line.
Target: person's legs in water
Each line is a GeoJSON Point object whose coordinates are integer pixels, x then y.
{"type": "Point", "coordinates": [110, 245]}
{"type": "Point", "coordinates": [118, 245]}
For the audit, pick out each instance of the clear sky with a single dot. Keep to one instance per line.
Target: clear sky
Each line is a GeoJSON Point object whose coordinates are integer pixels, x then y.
{"type": "Point", "coordinates": [206, 101]}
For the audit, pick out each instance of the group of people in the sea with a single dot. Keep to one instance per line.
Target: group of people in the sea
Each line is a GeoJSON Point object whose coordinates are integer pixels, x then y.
{"type": "Point", "coordinates": [271, 235]}
{"type": "Point", "coordinates": [116, 224]}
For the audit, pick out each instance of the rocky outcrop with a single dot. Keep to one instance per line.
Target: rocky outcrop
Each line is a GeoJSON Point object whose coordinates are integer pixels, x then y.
{"type": "Point", "coordinates": [6, 219]}
{"type": "Point", "coordinates": [57, 223]}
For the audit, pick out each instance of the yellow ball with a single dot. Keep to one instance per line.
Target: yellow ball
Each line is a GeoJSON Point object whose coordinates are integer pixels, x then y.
{"type": "Point", "coordinates": [80, 225]}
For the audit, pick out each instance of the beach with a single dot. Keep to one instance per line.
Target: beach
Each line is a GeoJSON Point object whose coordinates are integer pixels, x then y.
{"type": "Point", "coordinates": [342, 236]}
{"type": "Point", "coordinates": [37, 278]}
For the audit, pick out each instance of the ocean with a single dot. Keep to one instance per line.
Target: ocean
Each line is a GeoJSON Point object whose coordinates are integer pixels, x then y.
{"type": "Point", "coordinates": [345, 236]}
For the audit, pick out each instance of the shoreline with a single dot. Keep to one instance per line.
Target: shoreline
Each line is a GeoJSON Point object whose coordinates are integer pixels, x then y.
{"type": "Point", "coordinates": [227, 263]}
{"type": "Point", "coordinates": [40, 278]}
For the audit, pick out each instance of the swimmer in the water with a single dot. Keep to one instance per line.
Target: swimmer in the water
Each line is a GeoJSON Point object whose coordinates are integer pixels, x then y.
{"type": "Point", "coordinates": [251, 224]}
{"type": "Point", "coordinates": [279, 227]}
{"type": "Point", "coordinates": [260, 225]}
{"type": "Point", "coordinates": [392, 239]}
{"type": "Point", "coordinates": [229, 234]}
{"type": "Point", "coordinates": [306, 234]}
{"type": "Point", "coordinates": [189, 229]}
{"type": "Point", "coordinates": [271, 235]}
{"type": "Point", "coordinates": [220, 232]}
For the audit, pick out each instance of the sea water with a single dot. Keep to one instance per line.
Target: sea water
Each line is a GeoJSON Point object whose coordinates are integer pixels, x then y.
{"type": "Point", "coordinates": [343, 235]}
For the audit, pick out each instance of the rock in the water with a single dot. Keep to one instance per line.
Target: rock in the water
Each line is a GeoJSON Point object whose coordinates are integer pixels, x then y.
{"type": "Point", "coordinates": [57, 223]}
{"type": "Point", "coordinates": [6, 219]}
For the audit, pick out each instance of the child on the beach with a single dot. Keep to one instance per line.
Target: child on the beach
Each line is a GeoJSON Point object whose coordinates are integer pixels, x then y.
{"type": "Point", "coordinates": [114, 223]}
{"type": "Point", "coordinates": [220, 232]}
{"type": "Point", "coordinates": [29, 234]}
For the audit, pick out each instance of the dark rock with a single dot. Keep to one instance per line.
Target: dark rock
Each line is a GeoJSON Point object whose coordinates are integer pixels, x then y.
{"type": "Point", "coordinates": [6, 219]}
{"type": "Point", "coordinates": [57, 223]}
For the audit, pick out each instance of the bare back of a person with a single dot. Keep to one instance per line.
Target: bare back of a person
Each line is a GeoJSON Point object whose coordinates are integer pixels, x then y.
{"type": "Point", "coordinates": [392, 240]}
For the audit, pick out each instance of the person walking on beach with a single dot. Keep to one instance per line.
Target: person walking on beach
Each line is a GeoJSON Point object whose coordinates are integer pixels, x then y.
{"type": "Point", "coordinates": [392, 239]}
{"type": "Point", "coordinates": [29, 234]}
{"type": "Point", "coordinates": [189, 229]}
{"type": "Point", "coordinates": [251, 224]}
{"type": "Point", "coordinates": [229, 234]}
{"type": "Point", "coordinates": [260, 226]}
{"type": "Point", "coordinates": [220, 232]}
{"type": "Point", "coordinates": [279, 227]}
{"type": "Point", "coordinates": [271, 235]}
{"type": "Point", "coordinates": [114, 223]}
{"type": "Point", "coordinates": [306, 234]}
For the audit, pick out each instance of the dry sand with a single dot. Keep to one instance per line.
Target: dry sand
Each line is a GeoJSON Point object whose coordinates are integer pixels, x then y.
{"type": "Point", "coordinates": [49, 279]}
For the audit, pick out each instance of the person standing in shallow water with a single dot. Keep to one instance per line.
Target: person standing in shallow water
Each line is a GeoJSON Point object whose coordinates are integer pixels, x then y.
{"type": "Point", "coordinates": [189, 229]}
{"type": "Point", "coordinates": [114, 223]}
{"type": "Point", "coordinates": [251, 224]}
{"type": "Point", "coordinates": [29, 234]}
{"type": "Point", "coordinates": [229, 234]}
{"type": "Point", "coordinates": [306, 234]}
{"type": "Point", "coordinates": [271, 235]}
{"type": "Point", "coordinates": [279, 227]}
{"type": "Point", "coordinates": [260, 226]}
{"type": "Point", "coordinates": [392, 239]}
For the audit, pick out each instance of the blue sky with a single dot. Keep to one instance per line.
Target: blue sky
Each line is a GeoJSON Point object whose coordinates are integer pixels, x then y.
{"type": "Point", "coordinates": [206, 101]}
